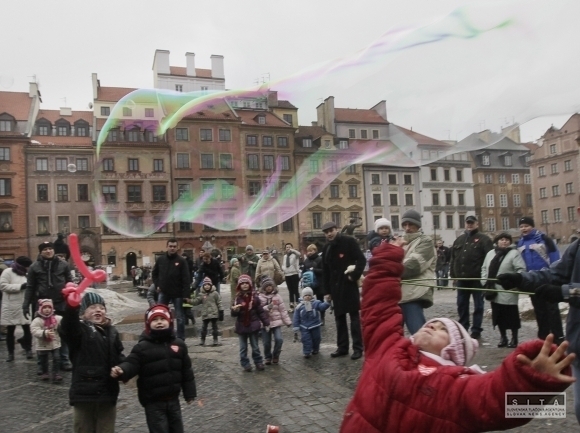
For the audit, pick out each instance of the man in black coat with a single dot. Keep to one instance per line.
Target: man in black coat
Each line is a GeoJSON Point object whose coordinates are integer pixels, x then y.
{"type": "Point", "coordinates": [211, 268]}
{"type": "Point", "coordinates": [172, 278]}
{"type": "Point", "coordinates": [337, 255]}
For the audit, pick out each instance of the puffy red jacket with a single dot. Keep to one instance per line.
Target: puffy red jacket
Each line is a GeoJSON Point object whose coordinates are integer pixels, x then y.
{"type": "Point", "coordinates": [401, 390]}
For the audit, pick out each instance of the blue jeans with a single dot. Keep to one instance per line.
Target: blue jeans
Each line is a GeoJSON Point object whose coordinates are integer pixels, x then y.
{"type": "Point", "coordinates": [178, 305]}
{"type": "Point", "coordinates": [413, 316]}
{"type": "Point", "coordinates": [311, 340]}
{"type": "Point", "coordinates": [576, 389]}
{"type": "Point", "coordinates": [463, 297]}
{"type": "Point", "coordinates": [256, 355]}
{"type": "Point", "coordinates": [267, 340]}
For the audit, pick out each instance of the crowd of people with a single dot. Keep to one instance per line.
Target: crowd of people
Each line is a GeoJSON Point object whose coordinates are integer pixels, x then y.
{"type": "Point", "coordinates": [394, 296]}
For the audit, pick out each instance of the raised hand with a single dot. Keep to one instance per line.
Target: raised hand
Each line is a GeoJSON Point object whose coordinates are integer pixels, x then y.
{"type": "Point", "coordinates": [551, 364]}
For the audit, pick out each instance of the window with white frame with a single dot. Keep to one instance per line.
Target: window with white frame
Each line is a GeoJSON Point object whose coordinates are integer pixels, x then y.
{"type": "Point", "coordinates": [352, 191]}
{"type": "Point", "coordinates": [227, 191]}
{"type": "Point", "coordinates": [507, 160]}
{"type": "Point", "coordinates": [5, 125]}
{"type": "Point", "coordinates": [206, 134]}
{"type": "Point", "coordinates": [306, 142]}
{"type": "Point", "coordinates": [62, 192]}
{"type": "Point", "coordinates": [448, 198]}
{"type": "Point", "coordinates": [571, 213]}
{"type": "Point", "coordinates": [313, 166]}
{"type": "Point", "coordinates": [253, 162]}
{"type": "Point", "coordinates": [485, 159]}
{"type": "Point", "coordinates": [501, 178]}
{"type": "Point", "coordinates": [334, 191]}
{"type": "Point", "coordinates": [82, 164]}
{"type": "Point", "coordinates": [554, 168]}
{"type": "Point", "coordinates": [183, 160]}
{"type": "Point", "coordinates": [552, 149]}
{"type": "Point", "coordinates": [226, 161]}
{"type": "Point", "coordinates": [375, 179]}
{"type": "Point", "coordinates": [61, 164]}
{"type": "Point", "coordinates": [207, 160]}
{"type": "Point", "coordinates": [351, 133]}
{"type": "Point", "coordinates": [515, 179]}
{"type": "Point", "coordinates": [503, 200]}
{"type": "Point", "coordinates": [557, 215]}
{"type": "Point", "coordinates": [569, 188]}
{"type": "Point", "coordinates": [333, 166]}
{"type": "Point", "coordinates": [488, 178]}
{"type": "Point", "coordinates": [449, 220]}
{"type": "Point", "coordinates": [490, 222]}
{"type": "Point", "coordinates": [517, 200]}
{"type": "Point", "coordinates": [282, 142]}
{"type": "Point", "coordinates": [343, 144]}
{"type": "Point", "coordinates": [459, 175]}
{"type": "Point", "coordinates": [159, 224]}
{"type": "Point", "coordinates": [394, 199]}
{"type": "Point", "coordinates": [377, 200]}
{"type": "Point", "coordinates": [4, 154]}
{"type": "Point", "coordinates": [375, 134]}
{"type": "Point", "coordinates": [179, 87]}
{"type": "Point", "coordinates": [489, 200]}
{"type": "Point", "coordinates": [181, 134]}
{"type": "Point", "coordinates": [363, 134]}
{"type": "Point", "coordinates": [267, 140]}
{"type": "Point", "coordinates": [5, 187]}
{"type": "Point", "coordinates": [268, 162]}
{"type": "Point", "coordinates": [568, 165]}
{"type": "Point", "coordinates": [543, 193]}
{"type": "Point", "coordinates": [529, 200]}
{"type": "Point", "coordinates": [183, 191]}
{"type": "Point", "coordinates": [505, 223]}
{"type": "Point", "coordinates": [208, 190]}
{"type": "Point", "coordinates": [527, 179]}
{"type": "Point", "coordinates": [43, 226]}
{"type": "Point", "coordinates": [541, 171]}
{"type": "Point", "coordinates": [435, 198]}
{"type": "Point", "coordinates": [544, 215]}
{"type": "Point", "coordinates": [409, 200]}
{"type": "Point", "coordinates": [251, 140]}
{"type": "Point", "coordinates": [84, 221]}
{"type": "Point", "coordinates": [149, 112]}
{"type": "Point", "coordinates": [225, 135]}
{"type": "Point", "coordinates": [285, 162]}
{"type": "Point", "coordinates": [461, 199]}
{"type": "Point", "coordinates": [555, 190]}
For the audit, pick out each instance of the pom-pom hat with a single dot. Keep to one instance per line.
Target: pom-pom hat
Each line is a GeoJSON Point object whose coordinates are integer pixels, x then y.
{"type": "Point", "coordinates": [244, 279]}
{"type": "Point", "coordinates": [461, 348]}
{"type": "Point", "coordinates": [158, 310]}
{"type": "Point", "coordinates": [382, 222]}
{"type": "Point", "coordinates": [307, 291]}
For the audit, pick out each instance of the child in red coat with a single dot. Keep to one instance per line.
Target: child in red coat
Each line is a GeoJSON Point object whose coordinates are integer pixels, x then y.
{"type": "Point", "coordinates": [421, 384]}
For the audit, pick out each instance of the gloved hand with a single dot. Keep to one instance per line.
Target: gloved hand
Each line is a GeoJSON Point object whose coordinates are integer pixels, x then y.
{"type": "Point", "coordinates": [510, 280]}
{"type": "Point", "coordinates": [221, 315]}
{"type": "Point", "coordinates": [550, 293]}
{"type": "Point", "coordinates": [23, 286]}
{"type": "Point", "coordinates": [26, 313]}
{"type": "Point", "coordinates": [349, 269]}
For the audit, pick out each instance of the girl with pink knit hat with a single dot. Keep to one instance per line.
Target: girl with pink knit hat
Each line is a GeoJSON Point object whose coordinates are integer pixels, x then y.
{"type": "Point", "coordinates": [422, 383]}
{"type": "Point", "coordinates": [44, 330]}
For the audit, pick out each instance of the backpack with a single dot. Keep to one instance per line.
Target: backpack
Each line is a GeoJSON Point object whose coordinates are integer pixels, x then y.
{"type": "Point", "coordinates": [309, 279]}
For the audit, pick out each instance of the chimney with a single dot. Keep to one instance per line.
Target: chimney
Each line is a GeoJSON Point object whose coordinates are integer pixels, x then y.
{"type": "Point", "coordinates": [65, 111]}
{"type": "Point", "coordinates": [272, 98]}
{"type": "Point", "coordinates": [314, 123]}
{"type": "Point", "coordinates": [329, 115]}
{"type": "Point", "coordinates": [381, 109]}
{"type": "Point", "coordinates": [96, 86]}
{"type": "Point", "coordinates": [190, 64]}
{"type": "Point", "coordinates": [217, 66]}
{"type": "Point", "coordinates": [33, 90]}
{"type": "Point", "coordinates": [161, 62]}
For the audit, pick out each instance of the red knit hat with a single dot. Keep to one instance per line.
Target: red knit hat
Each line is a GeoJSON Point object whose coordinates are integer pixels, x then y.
{"type": "Point", "coordinates": [244, 279]}
{"type": "Point", "coordinates": [158, 310]}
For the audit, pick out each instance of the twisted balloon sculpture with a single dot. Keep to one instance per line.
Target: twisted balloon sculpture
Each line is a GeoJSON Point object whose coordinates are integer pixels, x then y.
{"type": "Point", "coordinates": [73, 292]}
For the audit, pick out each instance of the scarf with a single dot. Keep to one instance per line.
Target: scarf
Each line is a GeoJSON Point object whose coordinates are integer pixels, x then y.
{"type": "Point", "coordinates": [18, 269]}
{"type": "Point", "coordinates": [49, 321]}
{"type": "Point", "coordinates": [500, 254]}
{"type": "Point", "coordinates": [245, 310]}
{"type": "Point", "coordinates": [48, 267]}
{"type": "Point", "coordinates": [307, 305]}
{"type": "Point", "coordinates": [288, 259]}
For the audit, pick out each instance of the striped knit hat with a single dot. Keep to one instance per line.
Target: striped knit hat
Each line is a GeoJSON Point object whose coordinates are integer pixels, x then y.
{"type": "Point", "coordinates": [158, 310]}
{"type": "Point", "coordinates": [91, 298]}
{"type": "Point", "coordinates": [206, 280]}
{"type": "Point", "coordinates": [244, 279]}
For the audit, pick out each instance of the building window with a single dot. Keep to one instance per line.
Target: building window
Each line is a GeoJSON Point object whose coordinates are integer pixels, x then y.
{"type": "Point", "coordinates": [262, 120]}
{"type": "Point", "coordinates": [490, 224]}
{"type": "Point", "coordinates": [133, 135]}
{"type": "Point", "coordinates": [149, 112]}
{"type": "Point", "coordinates": [459, 175]}
{"type": "Point", "coordinates": [395, 222]}
{"type": "Point", "coordinates": [488, 178]}
{"type": "Point", "coordinates": [433, 174]}
{"type": "Point", "coordinates": [541, 171]}
{"type": "Point", "coordinates": [134, 193]}
{"type": "Point", "coordinates": [543, 193]}
{"type": "Point", "coordinates": [316, 220]}
{"type": "Point", "coordinates": [527, 179]}
{"type": "Point", "coordinates": [82, 164]}
{"type": "Point", "coordinates": [489, 200]}
{"type": "Point", "coordinates": [84, 221]}
{"type": "Point", "coordinates": [62, 192]}
{"type": "Point", "coordinates": [409, 200]}
{"type": "Point", "coordinates": [544, 215]}
{"type": "Point", "coordinates": [501, 179]}
{"type": "Point", "coordinates": [179, 87]}
{"type": "Point", "coordinates": [268, 162]}
{"type": "Point", "coordinates": [332, 166]}
{"type": "Point", "coordinates": [181, 134]}
{"type": "Point", "coordinates": [42, 192]}
{"type": "Point", "coordinates": [435, 198]}
{"type": "Point", "coordinates": [159, 193]}
{"type": "Point", "coordinates": [183, 191]}
{"type": "Point", "coordinates": [448, 199]}
{"type": "Point", "coordinates": [507, 160]}
{"type": "Point", "coordinates": [225, 135]}
{"type": "Point", "coordinates": [375, 134]}
{"type": "Point", "coordinates": [306, 142]}
{"type": "Point", "coordinates": [109, 193]}
{"type": "Point", "coordinates": [351, 133]}
{"type": "Point", "coordinates": [375, 179]}
{"type": "Point", "coordinates": [183, 160]}
{"type": "Point", "coordinates": [554, 168]}
{"type": "Point", "coordinates": [503, 201]}
{"type": "Point", "coordinates": [133, 164]}
{"type": "Point", "coordinates": [206, 134]}
{"type": "Point", "coordinates": [61, 164]}
{"type": "Point", "coordinates": [267, 140]}
{"type": "Point", "coordinates": [288, 225]}
{"type": "Point", "coordinates": [314, 166]}
{"type": "Point", "coordinates": [227, 192]}
{"type": "Point", "coordinates": [113, 135]}
{"type": "Point", "coordinates": [5, 125]}
{"type": "Point", "coordinates": [207, 160]}
{"type": "Point", "coordinates": [568, 165]}
{"type": "Point", "coordinates": [226, 161]}
{"type": "Point", "coordinates": [334, 191]}
{"type": "Point", "coordinates": [158, 164]}
{"type": "Point", "coordinates": [159, 224]}
{"type": "Point", "coordinates": [150, 136]}
{"type": "Point", "coordinates": [557, 215]}
{"type": "Point", "coordinates": [505, 223]}
{"type": "Point", "coordinates": [529, 200]}
{"type": "Point", "coordinates": [5, 187]}
{"type": "Point", "coordinates": [436, 222]}
{"type": "Point", "coordinates": [253, 162]}
{"type": "Point", "coordinates": [555, 190]}
{"type": "Point", "coordinates": [43, 130]}
{"type": "Point", "coordinates": [43, 225]}
{"type": "Point", "coordinates": [254, 188]}
{"type": "Point", "coordinates": [449, 221]}
{"type": "Point", "coordinates": [135, 224]}
{"type": "Point", "coordinates": [4, 154]}
{"type": "Point", "coordinates": [83, 192]}
{"type": "Point", "coordinates": [363, 134]}
{"type": "Point", "coordinates": [460, 199]}
{"type": "Point", "coordinates": [352, 191]}
{"type": "Point", "coordinates": [393, 199]}
{"type": "Point", "coordinates": [485, 160]}
{"type": "Point", "coordinates": [287, 118]}
{"type": "Point", "coordinates": [552, 149]}
{"type": "Point", "coordinates": [251, 140]}
{"type": "Point", "coordinates": [377, 201]}
{"type": "Point", "coordinates": [351, 169]}
{"type": "Point", "coordinates": [515, 179]}
{"type": "Point", "coordinates": [282, 141]}
{"type": "Point", "coordinates": [315, 191]}
{"type": "Point", "coordinates": [127, 112]}
{"type": "Point", "coordinates": [407, 179]}
{"type": "Point", "coordinates": [461, 220]}
{"type": "Point", "coordinates": [105, 111]}
{"type": "Point", "coordinates": [112, 221]}
{"type": "Point", "coordinates": [285, 162]}
{"type": "Point", "coordinates": [335, 216]}
{"type": "Point", "coordinates": [571, 213]}
{"type": "Point", "coordinates": [343, 144]}
{"type": "Point", "coordinates": [185, 226]}
{"type": "Point", "coordinates": [569, 188]}
{"type": "Point", "coordinates": [392, 179]}
{"type": "Point", "coordinates": [108, 164]}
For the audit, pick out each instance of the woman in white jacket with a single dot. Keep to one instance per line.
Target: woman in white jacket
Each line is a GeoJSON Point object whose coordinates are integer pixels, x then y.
{"type": "Point", "coordinates": [504, 306]}
{"type": "Point", "coordinates": [13, 286]}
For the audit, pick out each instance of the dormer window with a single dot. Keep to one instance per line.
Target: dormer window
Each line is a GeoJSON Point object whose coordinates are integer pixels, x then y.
{"type": "Point", "coordinates": [81, 128]}
{"type": "Point", "coordinates": [62, 128]}
{"type": "Point", "coordinates": [306, 142]}
{"type": "Point", "coordinates": [485, 160]}
{"type": "Point", "coordinates": [43, 128]}
{"type": "Point", "coordinates": [507, 160]}
{"type": "Point", "coordinates": [262, 120]}
{"type": "Point", "coordinates": [6, 123]}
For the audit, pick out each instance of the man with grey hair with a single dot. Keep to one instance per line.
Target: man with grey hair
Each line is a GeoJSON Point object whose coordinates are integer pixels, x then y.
{"type": "Point", "coordinates": [249, 261]}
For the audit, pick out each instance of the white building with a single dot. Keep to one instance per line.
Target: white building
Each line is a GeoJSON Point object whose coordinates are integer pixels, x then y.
{"type": "Point", "coordinates": [187, 78]}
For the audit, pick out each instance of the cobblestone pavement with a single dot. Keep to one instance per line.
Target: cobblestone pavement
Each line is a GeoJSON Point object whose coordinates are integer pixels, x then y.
{"type": "Point", "coordinates": [300, 395]}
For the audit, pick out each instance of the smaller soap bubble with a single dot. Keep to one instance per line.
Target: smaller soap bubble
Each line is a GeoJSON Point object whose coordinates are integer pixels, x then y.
{"type": "Point", "coordinates": [6, 81]}
{"type": "Point", "coordinates": [72, 168]}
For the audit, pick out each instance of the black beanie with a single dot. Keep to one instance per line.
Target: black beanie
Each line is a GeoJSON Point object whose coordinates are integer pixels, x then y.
{"type": "Point", "coordinates": [23, 261]}
{"type": "Point", "coordinates": [45, 245]}
{"type": "Point", "coordinates": [527, 220]}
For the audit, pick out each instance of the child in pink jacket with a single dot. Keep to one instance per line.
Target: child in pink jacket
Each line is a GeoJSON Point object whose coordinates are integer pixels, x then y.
{"type": "Point", "coordinates": [274, 305]}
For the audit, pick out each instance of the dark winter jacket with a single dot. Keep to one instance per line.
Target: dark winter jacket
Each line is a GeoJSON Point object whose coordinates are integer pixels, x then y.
{"type": "Point", "coordinates": [164, 369]}
{"type": "Point", "coordinates": [250, 319]}
{"type": "Point", "coordinates": [337, 255]}
{"type": "Point", "coordinates": [537, 250]}
{"type": "Point", "coordinates": [45, 280]}
{"type": "Point", "coordinates": [60, 247]}
{"type": "Point", "coordinates": [468, 253]}
{"type": "Point", "coordinates": [314, 262]}
{"type": "Point", "coordinates": [402, 390]}
{"type": "Point", "coordinates": [213, 270]}
{"type": "Point", "coordinates": [172, 276]}
{"type": "Point", "coordinates": [93, 351]}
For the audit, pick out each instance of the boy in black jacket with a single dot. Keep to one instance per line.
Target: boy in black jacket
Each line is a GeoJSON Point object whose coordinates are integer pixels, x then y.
{"type": "Point", "coordinates": [164, 369]}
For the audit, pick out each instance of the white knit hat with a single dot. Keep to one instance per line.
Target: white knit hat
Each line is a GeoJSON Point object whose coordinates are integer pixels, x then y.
{"type": "Point", "coordinates": [461, 348]}
{"type": "Point", "coordinates": [307, 291]}
{"type": "Point", "coordinates": [382, 222]}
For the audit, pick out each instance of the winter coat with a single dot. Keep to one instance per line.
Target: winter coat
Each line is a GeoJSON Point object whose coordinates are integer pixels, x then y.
{"type": "Point", "coordinates": [248, 262]}
{"type": "Point", "coordinates": [60, 247]}
{"type": "Point", "coordinates": [537, 250]}
{"type": "Point", "coordinates": [256, 314]}
{"type": "Point", "coordinates": [294, 266]}
{"type": "Point", "coordinates": [565, 272]}
{"type": "Point", "coordinates": [38, 329]}
{"type": "Point", "coordinates": [274, 305]}
{"type": "Point", "coordinates": [94, 350]}
{"type": "Point", "coordinates": [309, 319]}
{"type": "Point", "coordinates": [443, 257]}
{"type": "Point", "coordinates": [314, 262]}
{"type": "Point", "coordinates": [467, 254]}
{"type": "Point", "coordinates": [172, 276]}
{"type": "Point", "coordinates": [37, 286]}
{"type": "Point", "coordinates": [402, 390]}
{"type": "Point", "coordinates": [337, 255]}
{"type": "Point", "coordinates": [419, 262]}
{"type": "Point", "coordinates": [12, 298]}
{"type": "Point", "coordinates": [211, 303]}
{"type": "Point", "coordinates": [213, 270]}
{"type": "Point", "coordinates": [234, 275]}
{"type": "Point", "coordinates": [164, 369]}
{"type": "Point", "coordinates": [266, 268]}
{"type": "Point", "coordinates": [512, 262]}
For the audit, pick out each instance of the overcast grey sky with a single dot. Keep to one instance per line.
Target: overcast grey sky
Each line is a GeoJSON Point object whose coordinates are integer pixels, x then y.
{"type": "Point", "coordinates": [63, 42]}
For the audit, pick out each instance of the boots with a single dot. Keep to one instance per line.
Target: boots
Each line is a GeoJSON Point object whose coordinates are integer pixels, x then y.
{"type": "Point", "coordinates": [216, 342]}
{"type": "Point", "coordinates": [29, 354]}
{"type": "Point", "coordinates": [514, 340]}
{"type": "Point", "coordinates": [503, 342]}
{"type": "Point", "coordinates": [202, 342]}
{"type": "Point", "coordinates": [10, 357]}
